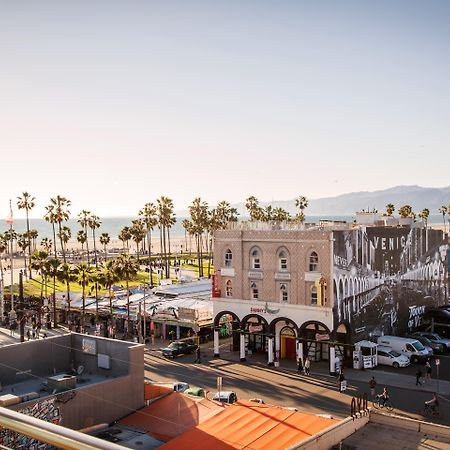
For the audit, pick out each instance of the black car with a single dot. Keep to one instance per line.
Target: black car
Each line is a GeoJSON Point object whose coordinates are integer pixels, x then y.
{"type": "Point", "coordinates": [435, 346]}
{"type": "Point", "coordinates": [178, 348]}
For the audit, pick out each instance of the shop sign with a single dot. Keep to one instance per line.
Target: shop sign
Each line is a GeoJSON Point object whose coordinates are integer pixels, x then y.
{"type": "Point", "coordinates": [322, 337]}
{"type": "Point", "coordinates": [255, 328]}
{"type": "Point", "coordinates": [215, 285]}
{"type": "Point", "coordinates": [264, 310]}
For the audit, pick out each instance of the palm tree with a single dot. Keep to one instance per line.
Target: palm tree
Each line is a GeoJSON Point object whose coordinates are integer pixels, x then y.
{"type": "Point", "coordinates": [83, 220]}
{"type": "Point", "coordinates": [53, 270]}
{"type": "Point", "coordinates": [127, 267]}
{"type": "Point", "coordinates": [23, 242]}
{"type": "Point", "coordinates": [252, 206]}
{"type": "Point", "coordinates": [405, 211]}
{"type": "Point", "coordinates": [390, 208]}
{"type": "Point", "coordinates": [64, 235]}
{"type": "Point", "coordinates": [39, 262]}
{"type": "Point", "coordinates": [65, 275]}
{"type": "Point", "coordinates": [138, 233]}
{"type": "Point", "coordinates": [50, 217]}
{"type": "Point", "coordinates": [225, 213]}
{"type": "Point", "coordinates": [82, 238]}
{"type": "Point", "coordinates": [125, 236]}
{"type": "Point", "coordinates": [424, 214]}
{"type": "Point", "coordinates": [47, 244]}
{"type": "Point", "coordinates": [280, 215]}
{"type": "Point", "coordinates": [83, 275]}
{"type": "Point", "coordinates": [93, 223]}
{"type": "Point", "coordinates": [148, 215]}
{"type": "Point", "coordinates": [33, 236]}
{"type": "Point", "coordinates": [199, 220]}
{"type": "Point", "coordinates": [108, 276]}
{"type": "Point", "coordinates": [301, 203]}
{"type": "Point", "coordinates": [26, 202]}
{"type": "Point", "coordinates": [105, 240]}
{"type": "Point", "coordinates": [443, 210]}
{"type": "Point", "coordinates": [61, 214]}
{"type": "Point", "coordinates": [187, 225]}
{"type": "Point", "coordinates": [166, 219]}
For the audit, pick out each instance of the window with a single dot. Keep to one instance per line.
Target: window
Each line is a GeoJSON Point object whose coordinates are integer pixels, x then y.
{"type": "Point", "coordinates": [228, 258]}
{"type": "Point", "coordinates": [282, 259]}
{"type": "Point", "coordinates": [314, 295]}
{"type": "Point", "coordinates": [254, 291]}
{"type": "Point", "coordinates": [229, 289]}
{"type": "Point", "coordinates": [313, 262]}
{"type": "Point", "coordinates": [284, 293]}
{"type": "Point", "coordinates": [256, 259]}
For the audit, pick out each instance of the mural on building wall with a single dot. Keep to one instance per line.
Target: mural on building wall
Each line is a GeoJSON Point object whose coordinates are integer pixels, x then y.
{"type": "Point", "coordinates": [45, 410]}
{"type": "Point", "coordinates": [385, 278]}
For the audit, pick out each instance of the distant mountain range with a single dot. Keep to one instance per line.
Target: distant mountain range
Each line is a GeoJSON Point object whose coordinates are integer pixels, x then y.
{"type": "Point", "coordinates": [347, 204]}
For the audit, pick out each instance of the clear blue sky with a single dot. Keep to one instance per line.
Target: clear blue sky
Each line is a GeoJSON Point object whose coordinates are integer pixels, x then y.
{"type": "Point", "coordinates": [115, 103]}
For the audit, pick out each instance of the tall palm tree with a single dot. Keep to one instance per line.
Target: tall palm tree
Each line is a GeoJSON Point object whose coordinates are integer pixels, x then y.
{"type": "Point", "coordinates": [64, 235]}
{"type": "Point", "coordinates": [39, 262]}
{"type": "Point", "coordinates": [253, 208]}
{"type": "Point", "coordinates": [149, 215]}
{"type": "Point", "coordinates": [390, 208]}
{"type": "Point", "coordinates": [33, 236]}
{"type": "Point", "coordinates": [166, 219]}
{"type": "Point", "coordinates": [443, 210]}
{"type": "Point", "coordinates": [301, 203]}
{"type": "Point", "coordinates": [187, 225]}
{"type": "Point", "coordinates": [105, 240]}
{"type": "Point", "coordinates": [424, 214]}
{"type": "Point", "coordinates": [65, 275]}
{"type": "Point", "coordinates": [127, 267]}
{"type": "Point", "coordinates": [27, 202]}
{"type": "Point", "coordinates": [405, 211]}
{"type": "Point", "coordinates": [198, 224]}
{"type": "Point", "coordinates": [108, 276]}
{"type": "Point", "coordinates": [94, 223]}
{"type": "Point", "coordinates": [83, 275]}
{"type": "Point", "coordinates": [47, 244]}
{"type": "Point", "coordinates": [125, 236]}
{"type": "Point", "coordinates": [50, 217]}
{"type": "Point", "coordinates": [83, 220]}
{"type": "Point", "coordinates": [138, 233]}
{"type": "Point", "coordinates": [53, 265]}
{"type": "Point", "coordinates": [61, 214]}
{"type": "Point", "coordinates": [280, 214]}
{"type": "Point", "coordinates": [23, 242]}
{"type": "Point", "coordinates": [82, 238]}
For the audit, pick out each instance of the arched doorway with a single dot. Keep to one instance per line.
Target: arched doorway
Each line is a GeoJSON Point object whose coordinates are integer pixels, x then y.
{"type": "Point", "coordinates": [227, 323]}
{"type": "Point", "coordinates": [344, 346]}
{"type": "Point", "coordinates": [256, 331]}
{"type": "Point", "coordinates": [285, 331]}
{"type": "Point", "coordinates": [315, 337]}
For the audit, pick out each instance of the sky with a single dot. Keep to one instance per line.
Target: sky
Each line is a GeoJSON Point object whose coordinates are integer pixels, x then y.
{"type": "Point", "coordinates": [113, 104]}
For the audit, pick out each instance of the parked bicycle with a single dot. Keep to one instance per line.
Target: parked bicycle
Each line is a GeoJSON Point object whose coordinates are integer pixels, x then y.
{"type": "Point", "coordinates": [382, 402]}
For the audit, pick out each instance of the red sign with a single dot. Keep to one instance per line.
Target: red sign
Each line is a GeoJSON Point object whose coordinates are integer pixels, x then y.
{"type": "Point", "coordinates": [215, 286]}
{"type": "Point", "coordinates": [322, 337]}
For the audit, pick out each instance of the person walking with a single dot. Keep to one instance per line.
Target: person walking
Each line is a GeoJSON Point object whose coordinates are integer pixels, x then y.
{"type": "Point", "coordinates": [428, 371]}
{"type": "Point", "coordinates": [307, 365]}
{"type": "Point", "coordinates": [33, 332]}
{"type": "Point", "coordinates": [300, 366]}
{"type": "Point", "coordinates": [38, 329]}
{"type": "Point", "coordinates": [28, 334]}
{"type": "Point", "coordinates": [418, 377]}
{"type": "Point", "coordinates": [372, 385]}
{"type": "Point", "coordinates": [198, 356]}
{"type": "Point", "coordinates": [342, 382]}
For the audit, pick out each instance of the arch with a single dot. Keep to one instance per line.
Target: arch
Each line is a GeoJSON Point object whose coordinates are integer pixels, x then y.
{"type": "Point", "coordinates": [283, 259]}
{"type": "Point", "coordinates": [228, 258]}
{"type": "Point", "coordinates": [261, 319]}
{"type": "Point", "coordinates": [223, 313]}
{"type": "Point", "coordinates": [274, 322]}
{"type": "Point", "coordinates": [313, 261]}
{"type": "Point", "coordinates": [255, 258]}
{"type": "Point", "coordinates": [317, 324]}
{"type": "Point", "coordinates": [228, 288]}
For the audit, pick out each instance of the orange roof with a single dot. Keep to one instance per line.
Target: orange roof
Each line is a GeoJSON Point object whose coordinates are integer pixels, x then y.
{"type": "Point", "coordinates": [172, 415]}
{"type": "Point", "coordinates": [248, 425]}
{"type": "Point", "coordinates": [152, 390]}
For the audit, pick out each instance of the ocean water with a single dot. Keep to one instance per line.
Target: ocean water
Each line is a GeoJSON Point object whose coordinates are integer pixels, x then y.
{"type": "Point", "coordinates": [113, 225]}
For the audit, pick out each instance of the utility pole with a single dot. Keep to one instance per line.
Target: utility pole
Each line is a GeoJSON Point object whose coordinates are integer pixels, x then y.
{"type": "Point", "coordinates": [140, 324]}
{"type": "Point", "coordinates": [21, 307]}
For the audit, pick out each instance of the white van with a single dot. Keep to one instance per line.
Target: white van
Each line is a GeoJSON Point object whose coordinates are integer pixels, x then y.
{"type": "Point", "coordinates": [412, 348]}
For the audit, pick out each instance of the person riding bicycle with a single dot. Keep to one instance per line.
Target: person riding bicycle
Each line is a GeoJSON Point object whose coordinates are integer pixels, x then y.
{"type": "Point", "coordinates": [433, 404]}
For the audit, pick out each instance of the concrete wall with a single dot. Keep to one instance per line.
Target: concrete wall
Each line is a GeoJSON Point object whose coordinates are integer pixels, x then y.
{"type": "Point", "coordinates": [44, 357]}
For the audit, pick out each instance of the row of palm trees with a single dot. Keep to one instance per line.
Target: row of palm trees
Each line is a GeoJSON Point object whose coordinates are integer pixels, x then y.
{"type": "Point", "coordinates": [269, 213]}
{"type": "Point", "coordinates": [406, 211]}
{"type": "Point", "coordinates": [124, 267]}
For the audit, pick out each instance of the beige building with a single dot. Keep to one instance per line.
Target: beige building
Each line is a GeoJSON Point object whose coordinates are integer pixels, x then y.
{"type": "Point", "coordinates": [272, 290]}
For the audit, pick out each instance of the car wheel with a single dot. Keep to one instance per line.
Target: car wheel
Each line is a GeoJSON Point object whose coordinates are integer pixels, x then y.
{"type": "Point", "coordinates": [396, 365]}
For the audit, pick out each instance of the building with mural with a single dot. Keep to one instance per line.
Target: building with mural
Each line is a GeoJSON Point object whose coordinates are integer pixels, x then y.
{"type": "Point", "coordinates": [289, 290]}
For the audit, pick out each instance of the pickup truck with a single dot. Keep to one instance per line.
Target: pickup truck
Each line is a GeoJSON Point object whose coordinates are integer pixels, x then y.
{"type": "Point", "coordinates": [178, 348]}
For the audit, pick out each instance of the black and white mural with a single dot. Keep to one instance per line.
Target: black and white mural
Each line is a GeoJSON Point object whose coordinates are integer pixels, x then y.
{"type": "Point", "coordinates": [386, 277]}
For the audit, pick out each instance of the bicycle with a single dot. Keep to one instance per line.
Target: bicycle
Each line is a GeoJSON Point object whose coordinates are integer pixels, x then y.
{"type": "Point", "coordinates": [432, 411]}
{"type": "Point", "coordinates": [380, 403]}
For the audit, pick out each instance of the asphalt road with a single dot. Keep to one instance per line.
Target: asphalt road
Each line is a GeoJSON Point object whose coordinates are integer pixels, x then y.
{"type": "Point", "coordinates": [314, 394]}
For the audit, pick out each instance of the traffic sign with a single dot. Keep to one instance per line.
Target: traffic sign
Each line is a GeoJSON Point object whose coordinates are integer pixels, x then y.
{"type": "Point", "coordinates": [438, 361]}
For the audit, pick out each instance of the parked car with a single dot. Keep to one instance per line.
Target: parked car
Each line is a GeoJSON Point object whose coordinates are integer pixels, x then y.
{"type": "Point", "coordinates": [427, 343]}
{"type": "Point", "coordinates": [178, 348]}
{"type": "Point", "coordinates": [180, 386]}
{"type": "Point", "coordinates": [258, 400]}
{"type": "Point", "coordinates": [228, 397]}
{"type": "Point", "coordinates": [412, 348]}
{"type": "Point", "coordinates": [389, 357]}
{"type": "Point", "coordinates": [196, 391]}
{"type": "Point", "coordinates": [435, 337]}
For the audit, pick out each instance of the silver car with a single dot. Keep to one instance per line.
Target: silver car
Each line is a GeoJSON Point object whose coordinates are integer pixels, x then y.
{"type": "Point", "coordinates": [434, 337]}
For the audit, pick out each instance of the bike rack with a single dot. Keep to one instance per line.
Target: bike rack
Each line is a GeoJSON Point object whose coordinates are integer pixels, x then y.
{"type": "Point", "coordinates": [359, 406]}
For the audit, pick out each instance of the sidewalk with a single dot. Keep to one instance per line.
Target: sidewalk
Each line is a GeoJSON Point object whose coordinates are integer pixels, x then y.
{"type": "Point", "coordinates": [6, 338]}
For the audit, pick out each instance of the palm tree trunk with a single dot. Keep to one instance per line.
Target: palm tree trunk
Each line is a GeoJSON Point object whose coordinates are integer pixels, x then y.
{"type": "Point", "coordinates": [110, 301]}
{"type": "Point", "coordinates": [54, 238]}
{"type": "Point", "coordinates": [149, 242]}
{"type": "Point", "coordinates": [87, 245]}
{"type": "Point", "coordinates": [29, 244]}
{"type": "Point", "coordinates": [61, 242]}
{"type": "Point", "coordinates": [128, 307]}
{"type": "Point", "coordinates": [83, 310]}
{"type": "Point", "coordinates": [170, 252]}
{"type": "Point", "coordinates": [55, 318]}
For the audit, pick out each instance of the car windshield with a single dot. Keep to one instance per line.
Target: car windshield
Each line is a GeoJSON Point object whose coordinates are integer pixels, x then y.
{"type": "Point", "coordinates": [174, 345]}
{"type": "Point", "coordinates": [394, 353]}
{"type": "Point", "coordinates": [437, 337]}
{"type": "Point", "coordinates": [418, 346]}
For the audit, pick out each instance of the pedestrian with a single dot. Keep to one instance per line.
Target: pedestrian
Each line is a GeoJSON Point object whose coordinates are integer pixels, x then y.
{"type": "Point", "coordinates": [28, 334]}
{"type": "Point", "coordinates": [13, 327]}
{"type": "Point", "coordinates": [307, 365]}
{"type": "Point", "coordinates": [428, 370]}
{"type": "Point", "coordinates": [198, 356]}
{"type": "Point", "coordinates": [372, 385]}
{"type": "Point", "coordinates": [33, 332]}
{"type": "Point", "coordinates": [300, 366]}
{"type": "Point", "coordinates": [38, 329]}
{"type": "Point", "coordinates": [418, 377]}
{"type": "Point", "coordinates": [342, 382]}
